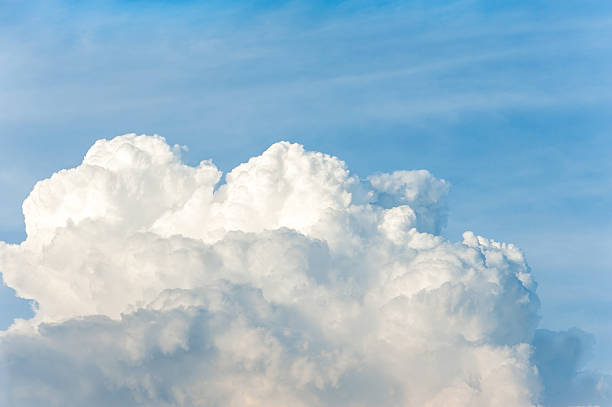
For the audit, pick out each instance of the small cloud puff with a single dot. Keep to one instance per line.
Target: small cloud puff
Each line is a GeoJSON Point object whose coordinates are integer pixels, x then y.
{"type": "Point", "coordinates": [293, 283]}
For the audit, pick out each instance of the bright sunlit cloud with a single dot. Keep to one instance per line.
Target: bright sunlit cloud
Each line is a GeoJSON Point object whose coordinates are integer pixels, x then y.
{"type": "Point", "coordinates": [290, 282]}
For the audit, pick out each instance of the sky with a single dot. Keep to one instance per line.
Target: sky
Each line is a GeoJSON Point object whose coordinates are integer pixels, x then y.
{"type": "Point", "coordinates": [507, 101]}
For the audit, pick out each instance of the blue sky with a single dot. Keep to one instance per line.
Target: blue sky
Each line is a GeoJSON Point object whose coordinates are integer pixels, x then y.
{"type": "Point", "coordinates": [509, 101]}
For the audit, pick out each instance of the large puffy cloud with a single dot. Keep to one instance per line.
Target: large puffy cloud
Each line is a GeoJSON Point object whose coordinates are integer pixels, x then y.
{"type": "Point", "coordinates": [294, 282]}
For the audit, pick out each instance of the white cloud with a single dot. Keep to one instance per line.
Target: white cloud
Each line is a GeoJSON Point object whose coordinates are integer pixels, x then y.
{"type": "Point", "coordinates": [293, 283]}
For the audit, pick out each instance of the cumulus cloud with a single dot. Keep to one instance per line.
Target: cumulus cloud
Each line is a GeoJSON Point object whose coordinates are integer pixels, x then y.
{"type": "Point", "coordinates": [292, 283]}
